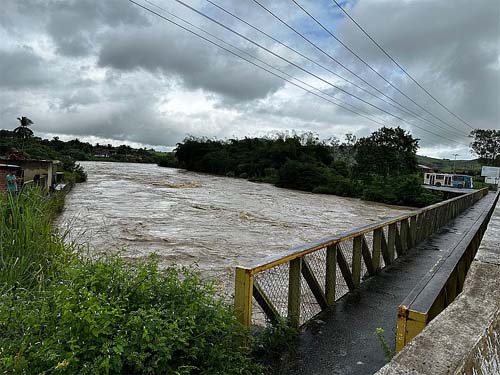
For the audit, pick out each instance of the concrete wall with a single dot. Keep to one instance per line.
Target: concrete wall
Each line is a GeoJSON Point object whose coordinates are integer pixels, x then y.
{"type": "Point", "coordinates": [464, 338]}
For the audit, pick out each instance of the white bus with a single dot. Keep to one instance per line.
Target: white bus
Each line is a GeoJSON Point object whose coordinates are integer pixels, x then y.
{"type": "Point", "coordinates": [448, 180]}
{"type": "Point", "coordinates": [438, 179]}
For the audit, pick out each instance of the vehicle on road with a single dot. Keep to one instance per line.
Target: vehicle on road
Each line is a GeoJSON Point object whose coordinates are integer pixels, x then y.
{"type": "Point", "coordinates": [448, 180]}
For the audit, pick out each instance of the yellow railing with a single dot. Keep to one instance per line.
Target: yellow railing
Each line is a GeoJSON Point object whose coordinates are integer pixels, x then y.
{"type": "Point", "coordinates": [301, 282]}
{"type": "Point", "coordinates": [443, 283]}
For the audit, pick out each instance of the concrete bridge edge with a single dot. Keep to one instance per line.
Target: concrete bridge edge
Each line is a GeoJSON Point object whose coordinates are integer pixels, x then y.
{"type": "Point", "coordinates": [465, 337]}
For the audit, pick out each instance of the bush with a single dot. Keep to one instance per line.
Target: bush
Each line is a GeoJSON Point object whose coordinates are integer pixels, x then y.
{"type": "Point", "coordinates": [400, 190]}
{"type": "Point", "coordinates": [106, 317]}
{"type": "Point", "coordinates": [166, 159]}
{"type": "Point", "coordinates": [60, 312]}
{"type": "Point", "coordinates": [301, 176]}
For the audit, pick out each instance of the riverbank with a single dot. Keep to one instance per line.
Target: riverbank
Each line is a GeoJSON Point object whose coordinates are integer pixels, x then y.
{"type": "Point", "coordinates": [63, 311]}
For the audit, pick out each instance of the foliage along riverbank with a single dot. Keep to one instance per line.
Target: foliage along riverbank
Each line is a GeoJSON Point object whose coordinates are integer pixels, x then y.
{"type": "Point", "coordinates": [64, 312]}
{"type": "Point", "coordinates": [381, 167]}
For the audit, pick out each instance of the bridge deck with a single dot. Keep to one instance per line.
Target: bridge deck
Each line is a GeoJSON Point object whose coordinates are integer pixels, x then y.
{"type": "Point", "coordinates": [344, 340]}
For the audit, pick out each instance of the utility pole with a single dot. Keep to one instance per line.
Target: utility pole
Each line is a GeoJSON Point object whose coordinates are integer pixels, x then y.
{"type": "Point", "coordinates": [455, 163]}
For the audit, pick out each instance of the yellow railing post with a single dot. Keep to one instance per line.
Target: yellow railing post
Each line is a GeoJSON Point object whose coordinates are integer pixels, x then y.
{"type": "Point", "coordinates": [294, 292]}
{"type": "Point", "coordinates": [331, 274]}
{"type": "Point", "coordinates": [356, 260]}
{"type": "Point", "coordinates": [377, 248]}
{"type": "Point", "coordinates": [243, 293]}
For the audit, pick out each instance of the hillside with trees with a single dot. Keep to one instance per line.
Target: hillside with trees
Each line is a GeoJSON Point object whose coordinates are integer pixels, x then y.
{"type": "Point", "coordinates": [20, 143]}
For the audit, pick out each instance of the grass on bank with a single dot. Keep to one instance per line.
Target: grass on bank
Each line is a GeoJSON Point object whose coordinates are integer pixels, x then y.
{"type": "Point", "coordinates": [61, 312]}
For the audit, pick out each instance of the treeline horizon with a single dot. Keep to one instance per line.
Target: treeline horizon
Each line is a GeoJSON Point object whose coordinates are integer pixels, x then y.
{"type": "Point", "coordinates": [55, 148]}
{"type": "Point", "coordinates": [381, 167]}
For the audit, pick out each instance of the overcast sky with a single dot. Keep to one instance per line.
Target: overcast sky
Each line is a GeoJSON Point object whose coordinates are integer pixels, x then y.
{"type": "Point", "coordinates": [108, 71]}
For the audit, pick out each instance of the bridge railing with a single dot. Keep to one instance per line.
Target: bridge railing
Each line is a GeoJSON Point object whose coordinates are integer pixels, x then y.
{"type": "Point", "coordinates": [443, 283]}
{"type": "Point", "coordinates": [301, 282]}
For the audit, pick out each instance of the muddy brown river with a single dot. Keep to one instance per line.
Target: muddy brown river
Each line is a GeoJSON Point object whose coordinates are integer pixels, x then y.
{"type": "Point", "coordinates": [208, 222]}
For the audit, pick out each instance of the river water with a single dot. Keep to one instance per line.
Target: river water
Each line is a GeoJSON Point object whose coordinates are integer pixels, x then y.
{"type": "Point", "coordinates": [208, 222]}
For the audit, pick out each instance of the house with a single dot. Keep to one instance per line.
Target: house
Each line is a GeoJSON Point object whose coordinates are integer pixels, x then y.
{"type": "Point", "coordinates": [37, 172]}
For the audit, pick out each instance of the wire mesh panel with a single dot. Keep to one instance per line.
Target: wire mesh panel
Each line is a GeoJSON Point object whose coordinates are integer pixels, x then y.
{"type": "Point", "coordinates": [369, 243]}
{"type": "Point", "coordinates": [341, 288]}
{"type": "Point", "coordinates": [309, 306]}
{"type": "Point", "coordinates": [259, 317]}
{"type": "Point", "coordinates": [346, 249]}
{"type": "Point", "coordinates": [317, 263]}
{"type": "Point", "coordinates": [274, 283]}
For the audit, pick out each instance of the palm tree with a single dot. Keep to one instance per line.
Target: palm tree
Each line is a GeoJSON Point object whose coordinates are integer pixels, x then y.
{"type": "Point", "coordinates": [23, 130]}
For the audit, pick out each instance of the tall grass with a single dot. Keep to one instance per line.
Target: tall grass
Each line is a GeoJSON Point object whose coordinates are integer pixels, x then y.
{"type": "Point", "coordinates": [30, 253]}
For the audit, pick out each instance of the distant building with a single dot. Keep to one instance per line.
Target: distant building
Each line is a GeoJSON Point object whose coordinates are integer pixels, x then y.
{"type": "Point", "coordinates": [425, 169]}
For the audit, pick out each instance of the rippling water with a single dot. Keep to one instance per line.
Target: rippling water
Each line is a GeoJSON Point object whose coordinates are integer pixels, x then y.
{"type": "Point", "coordinates": [193, 219]}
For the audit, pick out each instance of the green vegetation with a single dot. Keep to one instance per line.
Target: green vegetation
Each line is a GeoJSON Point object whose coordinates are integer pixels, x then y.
{"type": "Point", "coordinates": [61, 312]}
{"type": "Point", "coordinates": [486, 145]}
{"type": "Point", "coordinates": [388, 352]}
{"type": "Point", "coordinates": [382, 167]}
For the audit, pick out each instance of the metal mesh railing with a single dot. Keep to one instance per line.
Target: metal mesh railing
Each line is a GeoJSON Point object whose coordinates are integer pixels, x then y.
{"type": "Point", "coordinates": [299, 284]}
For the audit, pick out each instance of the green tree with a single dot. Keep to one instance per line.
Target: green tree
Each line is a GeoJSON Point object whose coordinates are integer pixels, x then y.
{"type": "Point", "coordinates": [387, 152]}
{"type": "Point", "coordinates": [23, 129]}
{"type": "Point", "coordinates": [486, 145]}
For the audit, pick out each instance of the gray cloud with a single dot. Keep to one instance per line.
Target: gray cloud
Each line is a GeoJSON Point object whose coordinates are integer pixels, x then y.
{"type": "Point", "coordinates": [109, 70]}
{"type": "Point", "coordinates": [197, 64]}
{"type": "Point", "coordinates": [22, 69]}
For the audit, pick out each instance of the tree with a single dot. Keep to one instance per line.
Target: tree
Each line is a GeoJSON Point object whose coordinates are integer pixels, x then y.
{"type": "Point", "coordinates": [486, 145]}
{"type": "Point", "coordinates": [387, 152]}
{"type": "Point", "coordinates": [23, 130]}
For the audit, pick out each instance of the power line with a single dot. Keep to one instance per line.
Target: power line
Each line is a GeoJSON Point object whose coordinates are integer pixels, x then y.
{"type": "Point", "coordinates": [357, 56]}
{"type": "Point", "coordinates": [258, 59]}
{"type": "Point", "coordinates": [243, 58]}
{"type": "Point", "coordinates": [400, 106]}
{"type": "Point", "coordinates": [367, 64]}
{"type": "Point", "coordinates": [297, 66]}
{"type": "Point", "coordinates": [399, 66]}
{"type": "Point", "coordinates": [267, 70]}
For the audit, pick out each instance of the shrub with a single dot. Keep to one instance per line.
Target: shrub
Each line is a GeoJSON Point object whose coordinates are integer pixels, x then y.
{"type": "Point", "coordinates": [106, 317]}
{"type": "Point", "coordinates": [301, 176]}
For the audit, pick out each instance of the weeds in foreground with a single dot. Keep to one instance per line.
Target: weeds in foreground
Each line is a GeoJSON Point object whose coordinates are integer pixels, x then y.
{"type": "Point", "coordinates": [388, 352]}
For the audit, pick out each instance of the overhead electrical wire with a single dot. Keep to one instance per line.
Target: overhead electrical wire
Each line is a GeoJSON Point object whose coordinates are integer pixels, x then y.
{"type": "Point", "coordinates": [359, 58]}
{"type": "Point", "coordinates": [399, 66]}
{"type": "Point", "coordinates": [256, 58]}
{"type": "Point", "coordinates": [297, 66]}
{"type": "Point", "coordinates": [267, 70]}
{"type": "Point", "coordinates": [245, 59]}
{"type": "Point", "coordinates": [399, 106]}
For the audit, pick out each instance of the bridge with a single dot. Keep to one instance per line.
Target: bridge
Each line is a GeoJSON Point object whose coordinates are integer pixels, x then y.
{"type": "Point", "coordinates": [397, 275]}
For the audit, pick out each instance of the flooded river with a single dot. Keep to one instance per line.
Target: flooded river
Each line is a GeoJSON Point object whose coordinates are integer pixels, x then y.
{"type": "Point", "coordinates": [209, 222]}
